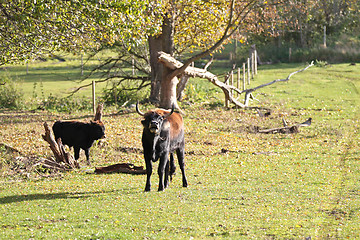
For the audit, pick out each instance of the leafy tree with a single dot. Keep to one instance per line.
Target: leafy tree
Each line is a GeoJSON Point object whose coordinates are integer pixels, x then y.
{"type": "Point", "coordinates": [307, 19]}
{"type": "Point", "coordinates": [31, 28]}
{"type": "Point", "coordinates": [186, 26]}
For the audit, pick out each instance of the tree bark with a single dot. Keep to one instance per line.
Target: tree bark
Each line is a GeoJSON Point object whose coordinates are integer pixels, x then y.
{"type": "Point", "coordinates": [168, 82]}
{"type": "Point", "coordinates": [181, 87]}
{"type": "Point", "coordinates": [172, 63]}
{"type": "Point", "coordinates": [98, 113]}
{"type": "Point", "coordinates": [155, 45]}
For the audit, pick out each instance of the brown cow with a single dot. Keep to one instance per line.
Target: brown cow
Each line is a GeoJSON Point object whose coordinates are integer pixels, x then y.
{"type": "Point", "coordinates": [163, 134]}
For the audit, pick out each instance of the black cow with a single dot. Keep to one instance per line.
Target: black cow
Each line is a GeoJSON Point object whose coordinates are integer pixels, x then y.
{"type": "Point", "coordinates": [79, 135]}
{"type": "Point", "coordinates": [162, 135]}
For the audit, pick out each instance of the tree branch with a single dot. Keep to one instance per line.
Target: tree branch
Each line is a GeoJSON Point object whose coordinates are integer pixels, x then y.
{"type": "Point", "coordinates": [173, 64]}
{"type": "Point", "coordinates": [226, 35]}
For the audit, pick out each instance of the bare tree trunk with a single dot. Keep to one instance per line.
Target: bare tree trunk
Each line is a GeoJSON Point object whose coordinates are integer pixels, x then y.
{"type": "Point", "coordinates": [168, 90]}
{"type": "Point", "coordinates": [98, 112]}
{"type": "Point", "coordinates": [155, 45]}
{"type": "Point", "coordinates": [181, 86]}
{"type": "Point", "coordinates": [228, 90]}
{"type": "Point", "coordinates": [168, 83]}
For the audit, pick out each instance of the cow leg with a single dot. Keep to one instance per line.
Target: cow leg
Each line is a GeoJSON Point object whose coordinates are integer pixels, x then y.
{"type": "Point", "coordinates": [180, 154]}
{"type": "Point", "coordinates": [148, 163]}
{"type": "Point", "coordinates": [76, 153]}
{"type": "Point", "coordinates": [166, 180]}
{"type": "Point", "coordinates": [172, 166]}
{"type": "Point", "coordinates": [87, 156]}
{"type": "Point", "coordinates": [161, 170]}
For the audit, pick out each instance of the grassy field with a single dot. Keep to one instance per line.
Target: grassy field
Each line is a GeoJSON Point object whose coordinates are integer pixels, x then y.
{"type": "Point", "coordinates": [241, 184]}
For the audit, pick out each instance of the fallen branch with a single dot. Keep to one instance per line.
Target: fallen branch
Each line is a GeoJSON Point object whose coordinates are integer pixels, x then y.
{"type": "Point", "coordinates": [61, 156]}
{"type": "Point", "coordinates": [10, 148]}
{"type": "Point", "coordinates": [172, 63]}
{"type": "Point", "coordinates": [121, 168]}
{"type": "Point", "coordinates": [250, 90]}
{"type": "Point", "coordinates": [286, 129]}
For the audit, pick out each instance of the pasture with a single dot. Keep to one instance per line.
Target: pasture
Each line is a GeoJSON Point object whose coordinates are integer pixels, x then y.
{"type": "Point", "coordinates": [242, 184]}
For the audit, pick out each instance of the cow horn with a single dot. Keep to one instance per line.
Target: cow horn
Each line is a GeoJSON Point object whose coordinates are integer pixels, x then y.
{"type": "Point", "coordinates": [137, 109]}
{"type": "Point", "coordinates": [172, 110]}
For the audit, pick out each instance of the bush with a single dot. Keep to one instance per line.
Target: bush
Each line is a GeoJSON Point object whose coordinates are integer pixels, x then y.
{"type": "Point", "coordinates": [10, 95]}
{"type": "Point", "coordinates": [66, 104]}
{"type": "Point", "coordinates": [119, 95]}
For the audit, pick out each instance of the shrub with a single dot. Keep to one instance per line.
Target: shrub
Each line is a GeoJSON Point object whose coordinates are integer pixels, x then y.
{"type": "Point", "coordinates": [120, 95]}
{"type": "Point", "coordinates": [66, 104]}
{"type": "Point", "coordinates": [11, 95]}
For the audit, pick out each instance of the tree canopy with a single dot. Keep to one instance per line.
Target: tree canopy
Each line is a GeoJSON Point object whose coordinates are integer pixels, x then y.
{"type": "Point", "coordinates": [32, 28]}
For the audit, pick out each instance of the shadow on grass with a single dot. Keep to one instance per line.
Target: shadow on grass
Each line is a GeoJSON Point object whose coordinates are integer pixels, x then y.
{"type": "Point", "coordinates": [64, 195]}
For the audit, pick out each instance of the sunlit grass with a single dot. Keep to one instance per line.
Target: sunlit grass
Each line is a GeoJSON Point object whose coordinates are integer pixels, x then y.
{"type": "Point", "coordinates": [242, 185]}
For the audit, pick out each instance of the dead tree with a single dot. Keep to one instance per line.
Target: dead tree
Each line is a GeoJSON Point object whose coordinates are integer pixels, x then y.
{"type": "Point", "coordinates": [63, 159]}
{"type": "Point", "coordinates": [98, 113]}
{"type": "Point", "coordinates": [286, 128]}
{"type": "Point", "coordinates": [229, 90]}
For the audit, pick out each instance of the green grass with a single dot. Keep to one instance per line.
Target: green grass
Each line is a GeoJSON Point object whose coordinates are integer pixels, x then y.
{"type": "Point", "coordinates": [56, 77]}
{"type": "Point", "coordinates": [242, 185]}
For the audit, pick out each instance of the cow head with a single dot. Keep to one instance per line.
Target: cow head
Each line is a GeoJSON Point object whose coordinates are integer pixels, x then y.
{"type": "Point", "coordinates": [154, 119]}
{"type": "Point", "coordinates": [98, 129]}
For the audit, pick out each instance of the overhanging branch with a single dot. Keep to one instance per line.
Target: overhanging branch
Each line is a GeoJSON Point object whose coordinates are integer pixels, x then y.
{"type": "Point", "coordinates": [228, 90]}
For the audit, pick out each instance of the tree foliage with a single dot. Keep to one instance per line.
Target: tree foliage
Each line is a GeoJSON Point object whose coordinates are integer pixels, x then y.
{"type": "Point", "coordinates": [32, 28]}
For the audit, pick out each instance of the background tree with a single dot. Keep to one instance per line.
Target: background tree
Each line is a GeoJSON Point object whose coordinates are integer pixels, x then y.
{"type": "Point", "coordinates": [138, 30]}
{"type": "Point", "coordinates": [186, 26]}
{"type": "Point", "coordinates": [29, 29]}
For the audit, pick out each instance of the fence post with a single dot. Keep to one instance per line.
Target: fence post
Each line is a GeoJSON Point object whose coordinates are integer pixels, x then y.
{"type": "Point", "coordinates": [133, 66]}
{"type": "Point", "coordinates": [252, 65]}
{"type": "Point", "coordinates": [289, 54]}
{"type": "Point", "coordinates": [238, 79]}
{"type": "Point", "coordinates": [93, 96]}
{"type": "Point", "coordinates": [231, 81]}
{"type": "Point", "coordinates": [255, 62]}
{"type": "Point", "coordinates": [244, 78]}
{"type": "Point", "coordinates": [324, 36]}
{"type": "Point", "coordinates": [248, 70]}
{"type": "Point", "coordinates": [226, 97]}
{"type": "Point", "coordinates": [82, 65]}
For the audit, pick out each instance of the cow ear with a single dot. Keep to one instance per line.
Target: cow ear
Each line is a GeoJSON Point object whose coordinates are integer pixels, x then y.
{"type": "Point", "coordinates": [143, 122]}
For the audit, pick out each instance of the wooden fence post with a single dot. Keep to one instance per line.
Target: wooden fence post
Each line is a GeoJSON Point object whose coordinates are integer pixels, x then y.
{"type": "Point", "coordinates": [238, 79]}
{"type": "Point", "coordinates": [231, 81]}
{"type": "Point", "coordinates": [133, 66]}
{"type": "Point", "coordinates": [226, 97]}
{"type": "Point", "coordinates": [93, 96]}
{"type": "Point", "coordinates": [82, 65]}
{"type": "Point", "coordinates": [248, 70]}
{"type": "Point", "coordinates": [289, 54]}
{"type": "Point", "coordinates": [255, 62]}
{"type": "Point", "coordinates": [252, 65]}
{"type": "Point", "coordinates": [244, 78]}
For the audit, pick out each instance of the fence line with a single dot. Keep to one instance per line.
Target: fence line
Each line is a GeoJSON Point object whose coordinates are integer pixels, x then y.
{"type": "Point", "coordinates": [248, 73]}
